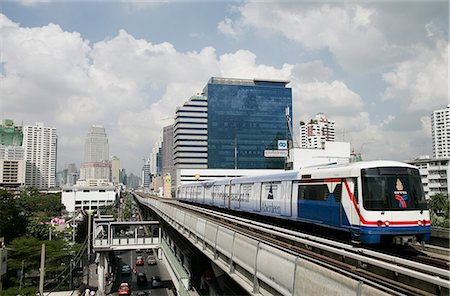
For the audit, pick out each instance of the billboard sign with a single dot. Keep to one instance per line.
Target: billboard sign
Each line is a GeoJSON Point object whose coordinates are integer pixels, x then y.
{"type": "Point", "coordinates": [275, 153]}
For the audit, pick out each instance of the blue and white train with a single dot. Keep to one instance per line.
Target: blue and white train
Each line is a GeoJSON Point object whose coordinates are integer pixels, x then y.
{"type": "Point", "coordinates": [376, 201]}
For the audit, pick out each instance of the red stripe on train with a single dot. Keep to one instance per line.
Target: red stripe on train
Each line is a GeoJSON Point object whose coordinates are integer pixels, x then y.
{"type": "Point", "coordinates": [365, 222]}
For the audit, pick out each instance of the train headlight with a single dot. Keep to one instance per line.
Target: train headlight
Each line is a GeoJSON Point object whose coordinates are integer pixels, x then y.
{"type": "Point", "coordinates": [419, 223]}
{"type": "Point", "coordinates": [379, 223]}
{"type": "Point", "coordinates": [386, 223]}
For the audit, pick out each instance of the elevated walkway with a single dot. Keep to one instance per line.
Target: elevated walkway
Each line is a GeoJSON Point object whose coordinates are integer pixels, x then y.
{"type": "Point", "coordinates": [117, 236]}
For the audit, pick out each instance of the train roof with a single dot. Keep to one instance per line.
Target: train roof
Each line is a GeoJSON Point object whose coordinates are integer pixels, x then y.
{"type": "Point", "coordinates": [316, 172]}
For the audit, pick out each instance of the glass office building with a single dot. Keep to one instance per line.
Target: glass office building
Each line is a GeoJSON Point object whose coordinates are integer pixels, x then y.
{"type": "Point", "coordinates": [246, 117]}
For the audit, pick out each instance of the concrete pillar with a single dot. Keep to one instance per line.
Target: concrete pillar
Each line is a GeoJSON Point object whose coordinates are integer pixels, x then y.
{"type": "Point", "coordinates": [101, 274]}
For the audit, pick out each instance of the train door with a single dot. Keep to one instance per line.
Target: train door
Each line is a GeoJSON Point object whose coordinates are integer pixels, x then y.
{"type": "Point", "coordinates": [226, 196]}
{"type": "Point", "coordinates": [235, 199]}
{"type": "Point", "coordinates": [257, 197]}
{"type": "Point", "coordinates": [286, 199]}
{"type": "Point", "coordinates": [334, 202]}
{"type": "Point", "coordinates": [350, 202]}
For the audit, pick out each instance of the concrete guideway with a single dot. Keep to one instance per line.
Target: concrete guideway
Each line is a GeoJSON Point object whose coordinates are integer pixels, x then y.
{"type": "Point", "coordinates": [260, 268]}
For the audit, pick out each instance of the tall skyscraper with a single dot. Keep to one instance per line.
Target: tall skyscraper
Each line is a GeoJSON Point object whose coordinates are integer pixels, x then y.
{"type": "Point", "coordinates": [12, 161]}
{"type": "Point", "coordinates": [146, 174]}
{"type": "Point", "coordinates": [96, 164]}
{"type": "Point", "coordinates": [440, 132]}
{"type": "Point", "coordinates": [167, 150]}
{"type": "Point", "coordinates": [190, 134]}
{"type": "Point", "coordinates": [40, 146]}
{"type": "Point", "coordinates": [316, 132]}
{"type": "Point", "coordinates": [115, 170]}
{"type": "Point", "coordinates": [231, 124]}
{"type": "Point", "coordinates": [96, 147]}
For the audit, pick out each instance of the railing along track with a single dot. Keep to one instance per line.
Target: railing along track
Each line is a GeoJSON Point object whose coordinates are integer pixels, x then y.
{"type": "Point", "coordinates": [398, 275]}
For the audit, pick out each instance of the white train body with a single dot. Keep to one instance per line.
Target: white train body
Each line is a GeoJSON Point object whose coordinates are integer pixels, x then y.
{"type": "Point", "coordinates": [372, 200]}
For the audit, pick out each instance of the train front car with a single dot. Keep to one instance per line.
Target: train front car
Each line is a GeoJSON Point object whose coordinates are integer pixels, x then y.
{"type": "Point", "coordinates": [394, 209]}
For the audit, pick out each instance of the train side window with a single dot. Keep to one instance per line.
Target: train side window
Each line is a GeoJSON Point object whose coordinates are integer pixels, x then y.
{"type": "Point", "coordinates": [338, 192]}
{"type": "Point", "coordinates": [313, 192]}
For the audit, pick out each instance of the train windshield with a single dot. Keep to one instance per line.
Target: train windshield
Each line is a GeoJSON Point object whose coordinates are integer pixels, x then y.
{"type": "Point", "coordinates": [392, 188]}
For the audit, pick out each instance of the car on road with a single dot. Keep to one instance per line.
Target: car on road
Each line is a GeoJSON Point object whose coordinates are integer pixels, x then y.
{"type": "Point", "coordinates": [151, 260]}
{"type": "Point", "coordinates": [141, 279]}
{"type": "Point", "coordinates": [126, 270]}
{"type": "Point", "coordinates": [139, 260]}
{"type": "Point", "coordinates": [156, 282]}
{"type": "Point", "coordinates": [124, 289]}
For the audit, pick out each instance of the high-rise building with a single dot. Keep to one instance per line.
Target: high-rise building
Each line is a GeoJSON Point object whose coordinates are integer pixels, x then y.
{"type": "Point", "coordinates": [167, 150]}
{"type": "Point", "coordinates": [190, 134]}
{"type": "Point", "coordinates": [96, 164]}
{"type": "Point", "coordinates": [231, 124]}
{"type": "Point", "coordinates": [146, 175]}
{"type": "Point", "coordinates": [133, 181]}
{"type": "Point", "coordinates": [96, 147]}
{"type": "Point", "coordinates": [12, 161]}
{"type": "Point", "coordinates": [440, 132]}
{"type": "Point", "coordinates": [316, 132]}
{"type": "Point", "coordinates": [12, 166]}
{"type": "Point", "coordinates": [10, 135]}
{"type": "Point", "coordinates": [40, 146]}
{"type": "Point", "coordinates": [68, 176]}
{"type": "Point", "coordinates": [435, 174]}
{"type": "Point", "coordinates": [115, 170]}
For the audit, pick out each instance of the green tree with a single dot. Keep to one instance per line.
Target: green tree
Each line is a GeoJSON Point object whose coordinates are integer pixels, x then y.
{"type": "Point", "coordinates": [439, 210]}
{"type": "Point", "coordinates": [27, 251]}
{"type": "Point", "coordinates": [37, 229]}
{"type": "Point", "coordinates": [14, 213]}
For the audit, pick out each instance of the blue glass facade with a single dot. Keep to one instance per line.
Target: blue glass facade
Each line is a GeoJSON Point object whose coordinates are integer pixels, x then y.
{"type": "Point", "coordinates": [246, 117]}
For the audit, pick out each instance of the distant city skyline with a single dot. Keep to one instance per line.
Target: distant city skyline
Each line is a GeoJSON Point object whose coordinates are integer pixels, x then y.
{"type": "Point", "coordinates": [377, 69]}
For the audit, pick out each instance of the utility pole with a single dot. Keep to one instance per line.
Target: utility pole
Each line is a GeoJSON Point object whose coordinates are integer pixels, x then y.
{"type": "Point", "coordinates": [42, 271]}
{"type": "Point", "coordinates": [89, 234]}
{"type": "Point", "coordinates": [21, 276]}
{"type": "Point", "coordinates": [71, 275]}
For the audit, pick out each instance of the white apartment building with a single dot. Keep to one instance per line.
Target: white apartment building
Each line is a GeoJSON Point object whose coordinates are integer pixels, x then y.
{"type": "Point", "coordinates": [40, 145]}
{"type": "Point", "coordinates": [314, 134]}
{"type": "Point", "coordinates": [75, 198]}
{"type": "Point", "coordinates": [440, 132]}
{"type": "Point", "coordinates": [146, 174]}
{"type": "Point", "coordinates": [435, 174]}
{"type": "Point", "coordinates": [190, 134]}
{"type": "Point", "coordinates": [12, 166]}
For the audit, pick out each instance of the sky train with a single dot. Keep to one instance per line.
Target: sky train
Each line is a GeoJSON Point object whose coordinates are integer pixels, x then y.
{"type": "Point", "coordinates": [375, 201]}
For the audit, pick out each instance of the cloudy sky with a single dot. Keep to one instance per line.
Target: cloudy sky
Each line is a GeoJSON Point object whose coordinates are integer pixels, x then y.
{"type": "Point", "coordinates": [378, 69]}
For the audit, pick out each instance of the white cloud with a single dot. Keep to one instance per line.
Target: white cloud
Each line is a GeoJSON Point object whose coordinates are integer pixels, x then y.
{"type": "Point", "coordinates": [354, 33]}
{"type": "Point", "coordinates": [32, 2]}
{"type": "Point", "coordinates": [348, 32]}
{"type": "Point", "coordinates": [242, 64]}
{"type": "Point", "coordinates": [422, 82]}
{"type": "Point", "coordinates": [130, 85]}
{"type": "Point", "coordinates": [333, 99]}
{"type": "Point", "coordinates": [227, 27]}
